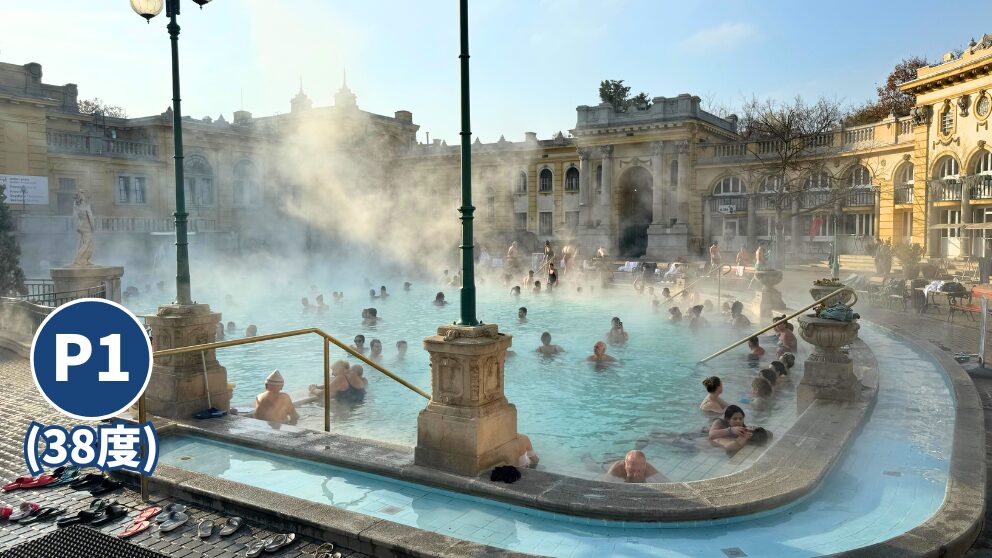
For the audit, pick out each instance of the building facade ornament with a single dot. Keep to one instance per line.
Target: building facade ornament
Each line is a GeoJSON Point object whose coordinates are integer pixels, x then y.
{"type": "Point", "coordinates": [657, 147]}
{"type": "Point", "coordinates": [682, 146]}
{"type": "Point", "coordinates": [584, 153]}
{"type": "Point", "coordinates": [921, 115]}
{"type": "Point", "coordinates": [964, 101]}
{"type": "Point", "coordinates": [606, 150]}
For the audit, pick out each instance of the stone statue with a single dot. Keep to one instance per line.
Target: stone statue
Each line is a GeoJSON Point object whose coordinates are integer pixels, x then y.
{"type": "Point", "coordinates": [84, 226]}
{"type": "Point", "coordinates": [761, 258]}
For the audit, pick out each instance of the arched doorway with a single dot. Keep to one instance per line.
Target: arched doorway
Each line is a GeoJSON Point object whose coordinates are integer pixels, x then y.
{"type": "Point", "coordinates": [635, 211]}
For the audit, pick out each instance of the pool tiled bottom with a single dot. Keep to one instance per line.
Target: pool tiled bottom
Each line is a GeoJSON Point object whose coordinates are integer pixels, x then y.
{"type": "Point", "coordinates": [892, 479]}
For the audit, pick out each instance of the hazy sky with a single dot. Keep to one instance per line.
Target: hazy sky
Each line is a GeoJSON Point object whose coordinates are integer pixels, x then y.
{"type": "Point", "coordinates": [533, 61]}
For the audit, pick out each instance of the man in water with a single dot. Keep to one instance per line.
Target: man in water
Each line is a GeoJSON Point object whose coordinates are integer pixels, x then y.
{"type": "Point", "coordinates": [406, 285]}
{"type": "Point", "coordinates": [599, 353]}
{"type": "Point", "coordinates": [232, 328]}
{"type": "Point", "coordinates": [306, 305]}
{"type": "Point", "coordinates": [635, 468]}
{"type": "Point", "coordinates": [382, 292]}
{"type": "Point", "coordinates": [616, 335]}
{"type": "Point", "coordinates": [522, 314]}
{"type": "Point", "coordinates": [515, 291]}
{"type": "Point", "coordinates": [251, 330]}
{"type": "Point", "coordinates": [376, 350]}
{"type": "Point", "coordinates": [371, 317]}
{"type": "Point", "coordinates": [546, 348]}
{"type": "Point", "coordinates": [360, 344]}
{"type": "Point", "coordinates": [400, 348]}
{"type": "Point", "coordinates": [274, 406]}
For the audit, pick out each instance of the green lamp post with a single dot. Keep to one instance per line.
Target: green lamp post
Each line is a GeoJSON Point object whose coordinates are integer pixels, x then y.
{"type": "Point", "coordinates": [467, 210]}
{"type": "Point", "coordinates": [149, 9]}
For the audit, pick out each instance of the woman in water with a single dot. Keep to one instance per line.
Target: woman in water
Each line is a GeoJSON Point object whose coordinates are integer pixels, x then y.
{"type": "Point", "coordinates": [712, 403]}
{"type": "Point", "coordinates": [761, 393]}
{"type": "Point", "coordinates": [731, 434]}
{"type": "Point", "coordinates": [675, 315]}
{"type": "Point", "coordinates": [770, 376]}
{"type": "Point", "coordinates": [439, 299]}
{"type": "Point", "coordinates": [375, 350]}
{"type": "Point", "coordinates": [552, 276]}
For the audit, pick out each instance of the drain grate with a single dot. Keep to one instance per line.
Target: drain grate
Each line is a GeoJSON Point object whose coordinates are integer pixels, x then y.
{"type": "Point", "coordinates": [79, 542]}
{"type": "Point", "coordinates": [733, 552]}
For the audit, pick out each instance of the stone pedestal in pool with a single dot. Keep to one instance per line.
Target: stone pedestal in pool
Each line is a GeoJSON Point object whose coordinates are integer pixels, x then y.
{"type": "Point", "coordinates": [829, 373]}
{"type": "Point", "coordinates": [768, 299]}
{"type": "Point", "coordinates": [82, 277]}
{"type": "Point", "coordinates": [468, 427]}
{"type": "Point", "coordinates": [667, 242]}
{"type": "Point", "coordinates": [178, 386]}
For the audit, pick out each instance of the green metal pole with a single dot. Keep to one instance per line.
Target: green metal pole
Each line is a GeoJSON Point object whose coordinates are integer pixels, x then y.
{"type": "Point", "coordinates": [183, 296]}
{"type": "Point", "coordinates": [468, 261]}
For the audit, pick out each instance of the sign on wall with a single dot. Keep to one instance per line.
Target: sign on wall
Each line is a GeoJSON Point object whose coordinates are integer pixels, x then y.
{"type": "Point", "coordinates": [25, 190]}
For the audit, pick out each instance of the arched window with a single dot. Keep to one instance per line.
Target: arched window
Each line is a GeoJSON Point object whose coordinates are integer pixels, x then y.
{"type": "Point", "coordinates": [198, 178]}
{"type": "Point", "coordinates": [729, 186]}
{"type": "Point", "coordinates": [674, 175]}
{"type": "Point", "coordinates": [246, 187]}
{"type": "Point", "coordinates": [905, 175]}
{"type": "Point", "coordinates": [946, 168]}
{"type": "Point", "coordinates": [859, 177]}
{"type": "Point", "coordinates": [522, 183]}
{"type": "Point", "coordinates": [572, 180]}
{"type": "Point", "coordinates": [491, 203]}
{"type": "Point", "coordinates": [771, 184]}
{"type": "Point", "coordinates": [544, 181]}
{"type": "Point", "coordinates": [983, 163]}
{"type": "Point", "coordinates": [818, 181]}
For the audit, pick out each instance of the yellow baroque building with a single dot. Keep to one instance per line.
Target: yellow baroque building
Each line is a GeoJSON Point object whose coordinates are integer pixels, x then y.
{"type": "Point", "coordinates": [657, 183]}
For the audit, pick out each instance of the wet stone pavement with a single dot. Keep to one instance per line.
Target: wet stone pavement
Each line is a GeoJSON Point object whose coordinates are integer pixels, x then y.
{"type": "Point", "coordinates": [20, 403]}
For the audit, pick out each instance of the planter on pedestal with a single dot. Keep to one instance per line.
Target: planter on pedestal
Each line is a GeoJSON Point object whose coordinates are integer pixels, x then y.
{"type": "Point", "coordinates": [829, 373]}
{"type": "Point", "coordinates": [820, 291]}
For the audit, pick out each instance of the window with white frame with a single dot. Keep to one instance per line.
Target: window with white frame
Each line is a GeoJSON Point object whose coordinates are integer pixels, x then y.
{"type": "Point", "coordinates": [818, 181]}
{"type": "Point", "coordinates": [199, 181]}
{"type": "Point", "coordinates": [983, 165]}
{"type": "Point", "coordinates": [729, 186]}
{"type": "Point", "coordinates": [771, 184]}
{"type": "Point", "coordinates": [131, 189]}
{"type": "Point", "coordinates": [247, 191]}
{"type": "Point", "coordinates": [572, 180]}
{"type": "Point", "coordinates": [950, 217]}
{"type": "Point", "coordinates": [947, 120]}
{"type": "Point", "coordinates": [860, 177]}
{"type": "Point", "coordinates": [947, 168]}
{"type": "Point", "coordinates": [544, 223]}
{"type": "Point", "coordinates": [490, 203]}
{"type": "Point", "coordinates": [522, 183]}
{"type": "Point", "coordinates": [544, 181]}
{"type": "Point", "coordinates": [905, 176]}
{"type": "Point", "coordinates": [520, 221]}
{"type": "Point", "coordinates": [983, 106]}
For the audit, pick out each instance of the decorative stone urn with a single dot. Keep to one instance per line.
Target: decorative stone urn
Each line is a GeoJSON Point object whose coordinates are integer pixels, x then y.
{"type": "Point", "coordinates": [768, 299]}
{"type": "Point", "coordinates": [468, 426]}
{"type": "Point", "coordinates": [829, 373]}
{"type": "Point", "coordinates": [820, 291]}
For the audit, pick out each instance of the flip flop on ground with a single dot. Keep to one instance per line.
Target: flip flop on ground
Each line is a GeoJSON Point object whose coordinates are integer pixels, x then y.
{"type": "Point", "coordinates": [205, 528]}
{"type": "Point", "coordinates": [174, 507]}
{"type": "Point", "coordinates": [323, 551]}
{"type": "Point", "coordinates": [108, 485]}
{"type": "Point", "coordinates": [279, 541]}
{"type": "Point", "coordinates": [43, 514]}
{"type": "Point", "coordinates": [256, 546]}
{"type": "Point", "coordinates": [231, 524]}
{"type": "Point", "coordinates": [173, 521]}
{"type": "Point", "coordinates": [86, 515]}
{"type": "Point", "coordinates": [87, 481]}
{"type": "Point", "coordinates": [28, 482]}
{"type": "Point", "coordinates": [134, 528]}
{"type": "Point", "coordinates": [24, 510]}
{"type": "Point", "coordinates": [147, 514]}
{"type": "Point", "coordinates": [108, 514]}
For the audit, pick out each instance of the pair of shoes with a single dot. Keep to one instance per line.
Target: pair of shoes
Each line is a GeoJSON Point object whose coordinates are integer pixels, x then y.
{"type": "Point", "coordinates": [206, 527]}
{"type": "Point", "coordinates": [172, 520]}
{"type": "Point", "coordinates": [140, 523]}
{"type": "Point", "coordinates": [325, 550]}
{"type": "Point", "coordinates": [43, 514]}
{"type": "Point", "coordinates": [101, 511]}
{"type": "Point", "coordinates": [30, 482]}
{"type": "Point", "coordinates": [270, 544]}
{"type": "Point", "coordinates": [506, 473]}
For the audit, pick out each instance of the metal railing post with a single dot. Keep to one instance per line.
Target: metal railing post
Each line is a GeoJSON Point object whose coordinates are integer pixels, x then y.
{"type": "Point", "coordinates": [327, 383]}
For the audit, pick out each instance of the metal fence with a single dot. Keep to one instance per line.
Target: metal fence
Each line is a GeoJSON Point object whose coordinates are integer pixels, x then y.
{"type": "Point", "coordinates": [53, 299]}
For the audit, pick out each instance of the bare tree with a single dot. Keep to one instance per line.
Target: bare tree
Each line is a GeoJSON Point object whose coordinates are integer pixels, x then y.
{"type": "Point", "coordinates": [97, 106]}
{"type": "Point", "coordinates": [785, 154]}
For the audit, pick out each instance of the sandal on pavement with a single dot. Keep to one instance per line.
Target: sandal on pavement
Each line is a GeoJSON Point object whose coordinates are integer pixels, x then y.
{"type": "Point", "coordinates": [24, 510]}
{"type": "Point", "coordinates": [279, 541]}
{"type": "Point", "coordinates": [147, 514]}
{"type": "Point", "coordinates": [134, 528]}
{"type": "Point", "coordinates": [231, 525]}
{"type": "Point", "coordinates": [256, 546]}
{"type": "Point", "coordinates": [205, 528]}
{"type": "Point", "coordinates": [108, 485]}
{"type": "Point", "coordinates": [108, 514]}
{"type": "Point", "coordinates": [174, 507]}
{"type": "Point", "coordinates": [87, 481]}
{"type": "Point", "coordinates": [173, 521]}
{"type": "Point", "coordinates": [323, 551]}
{"type": "Point", "coordinates": [43, 514]}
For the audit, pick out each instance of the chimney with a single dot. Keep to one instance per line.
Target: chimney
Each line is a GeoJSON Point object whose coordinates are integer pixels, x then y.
{"type": "Point", "coordinates": [242, 117]}
{"type": "Point", "coordinates": [530, 137]}
{"type": "Point", "coordinates": [404, 115]}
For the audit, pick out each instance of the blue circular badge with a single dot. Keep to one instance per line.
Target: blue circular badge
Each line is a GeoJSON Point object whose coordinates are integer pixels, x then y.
{"type": "Point", "coordinates": [91, 359]}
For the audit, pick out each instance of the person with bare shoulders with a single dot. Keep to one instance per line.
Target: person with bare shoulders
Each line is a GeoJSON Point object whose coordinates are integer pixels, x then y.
{"type": "Point", "coordinates": [715, 259]}
{"type": "Point", "coordinates": [743, 258]}
{"type": "Point", "coordinates": [546, 348]}
{"type": "Point", "coordinates": [757, 351]}
{"type": "Point", "coordinates": [616, 335]}
{"type": "Point", "coordinates": [525, 450]}
{"type": "Point", "coordinates": [360, 344]}
{"type": "Point", "coordinates": [338, 383]}
{"type": "Point", "coordinates": [761, 394]}
{"type": "Point", "coordinates": [375, 353]}
{"type": "Point", "coordinates": [439, 299]}
{"type": "Point", "coordinates": [599, 353]}
{"type": "Point", "coordinates": [712, 403]}
{"type": "Point", "coordinates": [787, 342]}
{"type": "Point", "coordinates": [522, 314]}
{"type": "Point", "coordinates": [634, 468]}
{"type": "Point", "coordinates": [274, 406]}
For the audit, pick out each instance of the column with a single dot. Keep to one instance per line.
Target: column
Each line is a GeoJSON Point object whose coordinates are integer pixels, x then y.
{"type": "Point", "coordinates": [933, 235]}
{"type": "Point", "coordinates": [657, 187]}
{"type": "Point", "coordinates": [752, 233]}
{"type": "Point", "coordinates": [965, 234]}
{"type": "Point", "coordinates": [796, 233]}
{"type": "Point", "coordinates": [707, 219]}
{"type": "Point", "coordinates": [585, 184]}
{"type": "Point", "coordinates": [606, 197]}
{"type": "Point", "coordinates": [683, 183]}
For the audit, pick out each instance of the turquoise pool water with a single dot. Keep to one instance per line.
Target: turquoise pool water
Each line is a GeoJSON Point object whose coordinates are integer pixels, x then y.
{"type": "Point", "coordinates": [892, 478]}
{"type": "Point", "coordinates": [578, 417]}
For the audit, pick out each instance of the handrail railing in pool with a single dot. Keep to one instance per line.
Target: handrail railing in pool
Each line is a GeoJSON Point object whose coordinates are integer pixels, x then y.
{"type": "Point", "coordinates": [328, 339]}
{"type": "Point", "coordinates": [783, 320]}
{"type": "Point", "coordinates": [698, 279]}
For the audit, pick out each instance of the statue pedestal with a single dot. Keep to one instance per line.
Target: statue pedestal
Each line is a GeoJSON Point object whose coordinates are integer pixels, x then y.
{"type": "Point", "coordinates": [178, 388]}
{"type": "Point", "coordinates": [829, 373]}
{"type": "Point", "coordinates": [468, 427]}
{"type": "Point", "coordinates": [667, 243]}
{"type": "Point", "coordinates": [768, 299]}
{"type": "Point", "coordinates": [80, 278]}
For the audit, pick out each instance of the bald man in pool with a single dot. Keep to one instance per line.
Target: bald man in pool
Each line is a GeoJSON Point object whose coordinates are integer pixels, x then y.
{"type": "Point", "coordinates": [274, 406]}
{"type": "Point", "coordinates": [635, 468]}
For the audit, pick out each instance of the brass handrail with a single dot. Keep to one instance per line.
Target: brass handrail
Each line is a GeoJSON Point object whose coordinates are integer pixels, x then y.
{"type": "Point", "coordinates": [785, 319]}
{"type": "Point", "coordinates": [292, 333]}
{"type": "Point", "coordinates": [698, 279]}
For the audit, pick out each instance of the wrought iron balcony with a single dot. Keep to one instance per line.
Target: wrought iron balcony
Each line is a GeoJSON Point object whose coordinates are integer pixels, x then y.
{"type": "Point", "coordinates": [945, 190]}
{"type": "Point", "coordinates": [861, 197]}
{"type": "Point", "coordinates": [64, 142]}
{"type": "Point", "coordinates": [982, 189]}
{"type": "Point", "coordinates": [903, 194]}
{"type": "Point", "coordinates": [815, 198]}
{"type": "Point", "coordinates": [730, 204]}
